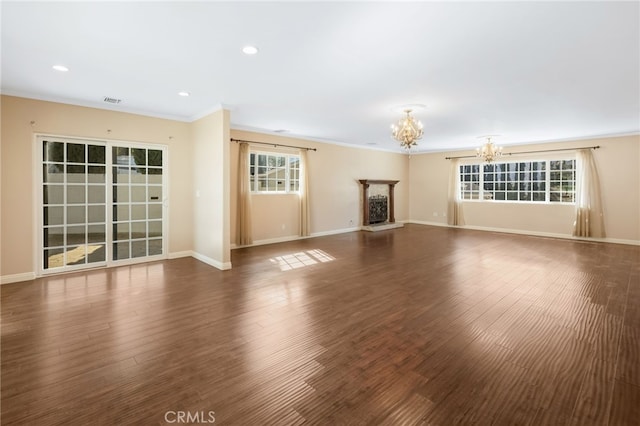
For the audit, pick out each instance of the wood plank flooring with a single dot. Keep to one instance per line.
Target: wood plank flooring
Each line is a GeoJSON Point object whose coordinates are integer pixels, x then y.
{"type": "Point", "coordinates": [417, 325]}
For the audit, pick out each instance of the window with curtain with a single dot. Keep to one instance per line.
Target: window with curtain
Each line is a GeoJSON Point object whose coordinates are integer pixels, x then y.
{"type": "Point", "coordinates": [551, 181]}
{"type": "Point", "coordinates": [274, 173]}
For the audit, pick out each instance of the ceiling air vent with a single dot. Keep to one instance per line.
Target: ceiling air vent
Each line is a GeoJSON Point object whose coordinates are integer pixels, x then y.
{"type": "Point", "coordinates": [109, 100]}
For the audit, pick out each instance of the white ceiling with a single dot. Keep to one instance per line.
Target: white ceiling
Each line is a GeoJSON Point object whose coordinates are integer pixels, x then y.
{"type": "Point", "coordinates": [338, 71]}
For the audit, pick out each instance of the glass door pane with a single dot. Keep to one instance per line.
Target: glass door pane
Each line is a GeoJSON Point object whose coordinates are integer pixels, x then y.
{"type": "Point", "coordinates": [100, 203]}
{"type": "Point", "coordinates": [138, 195]}
{"type": "Point", "coordinates": [73, 204]}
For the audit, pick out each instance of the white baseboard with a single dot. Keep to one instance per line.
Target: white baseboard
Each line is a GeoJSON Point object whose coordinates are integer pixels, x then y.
{"type": "Point", "coordinates": [297, 237]}
{"type": "Point", "coordinates": [179, 254]}
{"type": "Point", "coordinates": [16, 278]}
{"type": "Point", "coordinates": [532, 233]}
{"type": "Point", "coordinates": [212, 262]}
{"type": "Point", "coordinates": [335, 231]}
{"type": "Point", "coordinates": [424, 222]}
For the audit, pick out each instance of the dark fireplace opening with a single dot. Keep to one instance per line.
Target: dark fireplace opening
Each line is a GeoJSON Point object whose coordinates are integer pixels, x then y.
{"type": "Point", "coordinates": [378, 209]}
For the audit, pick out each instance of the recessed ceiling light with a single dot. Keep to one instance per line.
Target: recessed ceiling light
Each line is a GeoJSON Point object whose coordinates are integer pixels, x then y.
{"type": "Point", "coordinates": [61, 68]}
{"type": "Point", "coordinates": [249, 50]}
{"type": "Point", "coordinates": [185, 94]}
{"type": "Point", "coordinates": [282, 131]}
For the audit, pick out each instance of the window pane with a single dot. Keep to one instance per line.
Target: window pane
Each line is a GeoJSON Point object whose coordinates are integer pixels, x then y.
{"type": "Point", "coordinates": [138, 193]}
{"type": "Point", "coordinates": [53, 151]}
{"type": "Point", "coordinates": [97, 154]}
{"type": "Point", "coordinates": [96, 253]}
{"type": "Point", "coordinates": [96, 194]}
{"type": "Point", "coordinates": [155, 157]}
{"type": "Point", "coordinates": [155, 211]}
{"type": "Point", "coordinates": [138, 230]}
{"type": "Point", "coordinates": [76, 174]}
{"type": "Point", "coordinates": [121, 250]}
{"type": "Point", "coordinates": [53, 194]}
{"type": "Point", "coordinates": [120, 194]}
{"type": "Point", "coordinates": [76, 214]}
{"type": "Point", "coordinates": [76, 255]}
{"type": "Point", "coordinates": [138, 212]}
{"type": "Point", "coordinates": [75, 194]}
{"type": "Point", "coordinates": [96, 214]}
{"type": "Point", "coordinates": [121, 231]}
{"type": "Point", "coordinates": [121, 212]}
{"type": "Point", "coordinates": [97, 174]}
{"type": "Point", "coordinates": [154, 176]}
{"type": "Point", "coordinates": [76, 235]}
{"type": "Point", "coordinates": [155, 193]}
{"type": "Point", "coordinates": [53, 236]}
{"type": "Point", "coordinates": [155, 229]}
{"type": "Point", "coordinates": [121, 174]}
{"type": "Point", "coordinates": [139, 157]}
{"type": "Point", "coordinates": [53, 258]}
{"type": "Point", "coordinates": [75, 153]}
{"type": "Point", "coordinates": [138, 248]}
{"type": "Point", "coordinates": [53, 173]}
{"type": "Point", "coordinates": [155, 247]}
{"type": "Point", "coordinates": [96, 233]}
{"type": "Point", "coordinates": [53, 216]}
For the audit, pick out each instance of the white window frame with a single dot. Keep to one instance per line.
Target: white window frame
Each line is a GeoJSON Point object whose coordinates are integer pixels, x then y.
{"type": "Point", "coordinates": [482, 196]}
{"type": "Point", "coordinates": [254, 179]}
{"type": "Point", "coordinates": [38, 219]}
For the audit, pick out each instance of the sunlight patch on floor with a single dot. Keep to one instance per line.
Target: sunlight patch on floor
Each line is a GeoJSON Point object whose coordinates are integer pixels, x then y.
{"type": "Point", "coordinates": [301, 259]}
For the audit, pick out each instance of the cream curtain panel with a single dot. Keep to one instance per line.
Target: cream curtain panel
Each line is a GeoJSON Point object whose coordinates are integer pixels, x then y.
{"type": "Point", "coordinates": [243, 227]}
{"type": "Point", "coordinates": [455, 215]}
{"type": "Point", "coordinates": [589, 214]}
{"type": "Point", "coordinates": [304, 195]}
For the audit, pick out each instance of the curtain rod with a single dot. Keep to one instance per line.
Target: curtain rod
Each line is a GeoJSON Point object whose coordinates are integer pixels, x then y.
{"type": "Point", "coordinates": [530, 152]}
{"type": "Point", "coordinates": [274, 144]}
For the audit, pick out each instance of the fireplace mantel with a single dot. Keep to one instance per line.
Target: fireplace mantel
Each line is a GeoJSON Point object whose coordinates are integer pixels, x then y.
{"type": "Point", "coordinates": [365, 197]}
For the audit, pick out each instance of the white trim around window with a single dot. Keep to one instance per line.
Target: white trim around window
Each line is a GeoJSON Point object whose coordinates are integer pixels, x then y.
{"type": "Point", "coordinates": [274, 173]}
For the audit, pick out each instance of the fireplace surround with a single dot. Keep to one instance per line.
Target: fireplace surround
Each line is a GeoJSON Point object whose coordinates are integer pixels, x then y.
{"type": "Point", "coordinates": [376, 201]}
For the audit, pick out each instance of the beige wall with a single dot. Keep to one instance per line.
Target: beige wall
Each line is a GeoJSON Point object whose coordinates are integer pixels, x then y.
{"type": "Point", "coordinates": [618, 162]}
{"type": "Point", "coordinates": [202, 159]}
{"type": "Point", "coordinates": [210, 136]}
{"type": "Point", "coordinates": [334, 190]}
{"type": "Point", "coordinates": [17, 143]}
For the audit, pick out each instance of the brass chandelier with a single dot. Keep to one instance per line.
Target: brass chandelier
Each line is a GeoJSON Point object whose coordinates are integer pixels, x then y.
{"type": "Point", "coordinates": [407, 131]}
{"type": "Point", "coordinates": [489, 151]}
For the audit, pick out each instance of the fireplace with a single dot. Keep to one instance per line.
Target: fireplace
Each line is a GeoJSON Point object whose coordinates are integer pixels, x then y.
{"type": "Point", "coordinates": [377, 209]}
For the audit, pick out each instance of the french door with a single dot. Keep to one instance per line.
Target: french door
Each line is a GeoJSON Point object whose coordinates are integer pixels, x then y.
{"type": "Point", "coordinates": [102, 203]}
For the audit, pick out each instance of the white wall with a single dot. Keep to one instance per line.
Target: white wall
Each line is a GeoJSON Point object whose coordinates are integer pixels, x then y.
{"type": "Point", "coordinates": [210, 136]}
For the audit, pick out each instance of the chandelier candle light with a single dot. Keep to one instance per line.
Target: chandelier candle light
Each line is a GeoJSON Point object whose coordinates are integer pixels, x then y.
{"type": "Point", "coordinates": [489, 150]}
{"type": "Point", "coordinates": [407, 131]}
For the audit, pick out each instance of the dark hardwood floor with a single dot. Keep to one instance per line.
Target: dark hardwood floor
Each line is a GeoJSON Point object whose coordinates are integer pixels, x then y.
{"type": "Point", "coordinates": [419, 325]}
